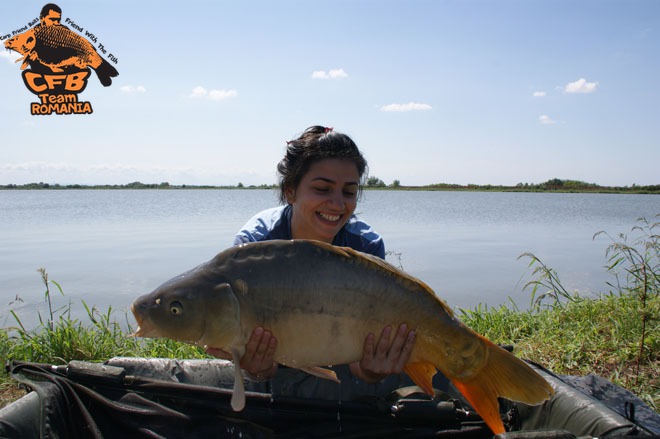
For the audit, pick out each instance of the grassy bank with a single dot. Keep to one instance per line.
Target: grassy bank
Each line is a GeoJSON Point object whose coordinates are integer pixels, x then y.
{"type": "Point", "coordinates": [600, 336]}
{"type": "Point", "coordinates": [615, 334]}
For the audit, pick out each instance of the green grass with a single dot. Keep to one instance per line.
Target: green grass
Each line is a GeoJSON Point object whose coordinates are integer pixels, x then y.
{"type": "Point", "coordinates": [600, 336]}
{"type": "Point", "coordinates": [59, 338]}
{"type": "Point", "coordinates": [615, 334]}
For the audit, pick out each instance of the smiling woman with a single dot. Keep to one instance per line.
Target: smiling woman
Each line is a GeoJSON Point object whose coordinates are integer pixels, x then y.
{"type": "Point", "coordinates": [324, 200]}
{"type": "Point", "coordinates": [321, 176]}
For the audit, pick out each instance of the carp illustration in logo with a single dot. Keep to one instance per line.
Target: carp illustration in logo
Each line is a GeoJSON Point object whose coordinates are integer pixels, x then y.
{"type": "Point", "coordinates": [57, 48]}
{"type": "Point", "coordinates": [59, 62]}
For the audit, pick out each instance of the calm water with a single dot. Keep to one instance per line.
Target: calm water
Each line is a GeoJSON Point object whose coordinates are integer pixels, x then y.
{"type": "Point", "coordinates": [107, 247]}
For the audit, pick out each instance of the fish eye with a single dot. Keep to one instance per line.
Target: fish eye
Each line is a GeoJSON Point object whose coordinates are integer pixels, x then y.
{"type": "Point", "coordinates": [176, 308]}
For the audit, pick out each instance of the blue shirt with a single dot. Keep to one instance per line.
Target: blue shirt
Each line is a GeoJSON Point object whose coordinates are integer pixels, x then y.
{"type": "Point", "coordinates": [275, 223]}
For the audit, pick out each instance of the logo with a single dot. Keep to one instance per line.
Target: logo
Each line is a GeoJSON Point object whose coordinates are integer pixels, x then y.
{"type": "Point", "coordinates": [57, 62]}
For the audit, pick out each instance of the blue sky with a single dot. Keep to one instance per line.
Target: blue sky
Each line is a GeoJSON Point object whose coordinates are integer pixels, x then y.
{"type": "Point", "coordinates": [481, 92]}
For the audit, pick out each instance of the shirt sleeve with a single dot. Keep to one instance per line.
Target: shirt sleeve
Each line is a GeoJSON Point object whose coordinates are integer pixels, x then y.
{"type": "Point", "coordinates": [360, 236]}
{"type": "Point", "coordinates": [265, 225]}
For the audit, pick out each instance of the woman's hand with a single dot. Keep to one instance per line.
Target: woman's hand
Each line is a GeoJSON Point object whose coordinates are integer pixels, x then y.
{"type": "Point", "coordinates": [258, 360]}
{"type": "Point", "coordinates": [386, 357]}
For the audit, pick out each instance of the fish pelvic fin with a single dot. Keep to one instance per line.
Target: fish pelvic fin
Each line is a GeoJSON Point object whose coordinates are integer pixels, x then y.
{"type": "Point", "coordinates": [504, 375]}
{"type": "Point", "coordinates": [322, 372]}
{"type": "Point", "coordinates": [238, 394]}
{"type": "Point", "coordinates": [422, 374]}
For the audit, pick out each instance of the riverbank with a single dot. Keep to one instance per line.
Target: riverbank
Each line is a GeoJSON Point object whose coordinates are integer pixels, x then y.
{"type": "Point", "coordinates": [580, 337]}
{"type": "Point", "coordinates": [373, 183]}
{"type": "Point", "coordinates": [614, 334]}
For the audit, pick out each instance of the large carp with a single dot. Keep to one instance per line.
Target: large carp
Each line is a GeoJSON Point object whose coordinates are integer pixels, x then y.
{"type": "Point", "coordinates": [321, 301]}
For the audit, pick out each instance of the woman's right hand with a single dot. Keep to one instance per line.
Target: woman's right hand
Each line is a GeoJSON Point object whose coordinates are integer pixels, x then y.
{"type": "Point", "coordinates": [259, 357]}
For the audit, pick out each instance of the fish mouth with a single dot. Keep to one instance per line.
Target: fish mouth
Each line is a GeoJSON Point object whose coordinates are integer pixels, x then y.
{"type": "Point", "coordinates": [144, 328]}
{"type": "Point", "coordinates": [20, 58]}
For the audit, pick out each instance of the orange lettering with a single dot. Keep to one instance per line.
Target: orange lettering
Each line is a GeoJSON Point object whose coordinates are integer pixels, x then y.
{"type": "Point", "coordinates": [38, 83]}
{"type": "Point", "coordinates": [30, 81]}
{"type": "Point", "coordinates": [53, 80]}
{"type": "Point", "coordinates": [76, 81]}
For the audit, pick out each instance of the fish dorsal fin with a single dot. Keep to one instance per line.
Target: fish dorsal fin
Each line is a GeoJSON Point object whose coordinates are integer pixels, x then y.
{"type": "Point", "coordinates": [380, 264]}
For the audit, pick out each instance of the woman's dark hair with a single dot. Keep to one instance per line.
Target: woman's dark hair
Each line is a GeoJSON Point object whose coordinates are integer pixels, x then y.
{"type": "Point", "coordinates": [314, 144]}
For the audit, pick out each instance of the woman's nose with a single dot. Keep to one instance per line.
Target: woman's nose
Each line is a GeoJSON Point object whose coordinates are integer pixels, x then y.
{"type": "Point", "coordinates": [337, 199]}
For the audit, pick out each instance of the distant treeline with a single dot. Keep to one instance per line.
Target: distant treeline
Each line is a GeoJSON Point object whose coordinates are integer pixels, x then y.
{"type": "Point", "coordinates": [134, 185]}
{"type": "Point", "coordinates": [553, 185]}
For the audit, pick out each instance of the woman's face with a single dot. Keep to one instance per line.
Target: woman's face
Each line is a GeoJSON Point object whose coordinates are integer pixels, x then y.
{"type": "Point", "coordinates": [324, 200]}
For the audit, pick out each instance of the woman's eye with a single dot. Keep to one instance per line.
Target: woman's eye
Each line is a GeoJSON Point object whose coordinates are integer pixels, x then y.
{"type": "Point", "coordinates": [322, 190]}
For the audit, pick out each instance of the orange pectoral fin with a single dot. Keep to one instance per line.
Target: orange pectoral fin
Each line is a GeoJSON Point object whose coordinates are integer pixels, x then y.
{"type": "Point", "coordinates": [321, 372]}
{"type": "Point", "coordinates": [422, 374]}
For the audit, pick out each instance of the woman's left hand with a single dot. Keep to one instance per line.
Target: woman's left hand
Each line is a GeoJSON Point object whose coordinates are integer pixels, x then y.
{"type": "Point", "coordinates": [258, 360]}
{"type": "Point", "coordinates": [385, 357]}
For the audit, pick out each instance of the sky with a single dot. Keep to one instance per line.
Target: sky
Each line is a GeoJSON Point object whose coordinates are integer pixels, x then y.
{"type": "Point", "coordinates": [440, 91]}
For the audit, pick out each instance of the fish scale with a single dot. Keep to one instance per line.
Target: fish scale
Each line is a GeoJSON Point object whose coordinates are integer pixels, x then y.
{"type": "Point", "coordinates": [59, 43]}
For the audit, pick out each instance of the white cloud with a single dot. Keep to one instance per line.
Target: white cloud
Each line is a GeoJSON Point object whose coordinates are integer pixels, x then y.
{"type": "Point", "coordinates": [539, 94]}
{"type": "Point", "coordinates": [10, 56]}
{"type": "Point", "coordinates": [199, 92]}
{"type": "Point", "coordinates": [213, 95]}
{"type": "Point", "coordinates": [133, 89]}
{"type": "Point", "coordinates": [545, 120]}
{"type": "Point", "coordinates": [122, 173]}
{"type": "Point", "coordinates": [580, 86]}
{"type": "Point", "coordinates": [332, 74]}
{"type": "Point", "coordinates": [36, 166]}
{"type": "Point", "coordinates": [410, 106]}
{"type": "Point", "coordinates": [218, 95]}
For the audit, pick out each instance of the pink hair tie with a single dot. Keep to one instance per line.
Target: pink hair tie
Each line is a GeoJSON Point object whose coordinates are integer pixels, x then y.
{"type": "Point", "coordinates": [328, 129]}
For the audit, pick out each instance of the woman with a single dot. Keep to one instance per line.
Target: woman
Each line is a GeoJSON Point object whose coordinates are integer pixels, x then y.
{"type": "Point", "coordinates": [321, 177]}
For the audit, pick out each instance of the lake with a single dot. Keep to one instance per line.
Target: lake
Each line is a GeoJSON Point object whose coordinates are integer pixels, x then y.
{"type": "Point", "coordinates": [109, 246]}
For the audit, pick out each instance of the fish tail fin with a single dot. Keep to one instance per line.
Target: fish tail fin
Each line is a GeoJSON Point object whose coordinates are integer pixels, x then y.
{"type": "Point", "coordinates": [105, 72]}
{"type": "Point", "coordinates": [504, 375]}
{"type": "Point", "coordinates": [484, 402]}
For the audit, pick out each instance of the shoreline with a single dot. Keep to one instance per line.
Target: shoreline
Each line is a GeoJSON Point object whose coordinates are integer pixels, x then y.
{"type": "Point", "coordinates": [534, 188]}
